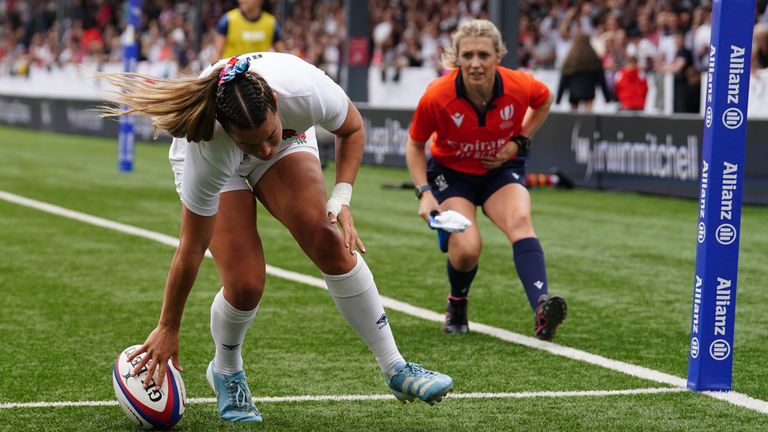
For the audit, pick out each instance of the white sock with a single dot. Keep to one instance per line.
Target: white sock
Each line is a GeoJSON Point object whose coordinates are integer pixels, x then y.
{"type": "Point", "coordinates": [357, 298]}
{"type": "Point", "coordinates": [228, 328]}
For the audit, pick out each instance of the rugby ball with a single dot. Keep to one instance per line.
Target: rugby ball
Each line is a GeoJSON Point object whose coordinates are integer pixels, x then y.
{"type": "Point", "coordinates": [152, 407]}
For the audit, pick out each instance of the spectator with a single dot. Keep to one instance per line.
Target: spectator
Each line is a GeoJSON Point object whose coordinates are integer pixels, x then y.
{"type": "Point", "coordinates": [684, 85]}
{"type": "Point", "coordinates": [409, 52]}
{"type": "Point", "coordinates": [582, 71]}
{"type": "Point", "coordinates": [541, 51]}
{"type": "Point", "coordinates": [525, 40]}
{"type": "Point", "coordinates": [404, 33]}
{"type": "Point", "coordinates": [612, 55]}
{"type": "Point", "coordinates": [642, 49]}
{"type": "Point", "coordinates": [431, 45]}
{"type": "Point", "coordinates": [41, 53]}
{"type": "Point", "coordinates": [385, 36]}
{"type": "Point", "coordinates": [249, 28]}
{"type": "Point", "coordinates": [631, 86]}
{"type": "Point", "coordinates": [562, 36]}
{"type": "Point", "coordinates": [760, 47]}
{"type": "Point", "coordinates": [692, 95]}
{"type": "Point", "coordinates": [701, 36]}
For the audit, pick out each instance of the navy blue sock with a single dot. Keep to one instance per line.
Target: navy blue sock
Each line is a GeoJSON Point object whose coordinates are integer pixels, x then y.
{"type": "Point", "coordinates": [529, 262]}
{"type": "Point", "coordinates": [460, 281]}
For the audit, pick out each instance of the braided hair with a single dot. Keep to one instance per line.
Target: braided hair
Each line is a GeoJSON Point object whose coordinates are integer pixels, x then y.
{"type": "Point", "coordinates": [189, 107]}
{"type": "Point", "coordinates": [244, 99]}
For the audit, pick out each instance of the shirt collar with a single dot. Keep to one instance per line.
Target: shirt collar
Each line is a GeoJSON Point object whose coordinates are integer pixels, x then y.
{"type": "Point", "coordinates": [498, 86]}
{"type": "Point", "coordinates": [251, 19]}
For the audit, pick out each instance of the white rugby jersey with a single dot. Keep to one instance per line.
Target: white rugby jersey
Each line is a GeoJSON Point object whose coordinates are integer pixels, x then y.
{"type": "Point", "coordinates": [306, 97]}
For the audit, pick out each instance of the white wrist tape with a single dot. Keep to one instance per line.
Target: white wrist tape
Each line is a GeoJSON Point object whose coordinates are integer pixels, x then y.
{"type": "Point", "coordinates": [341, 196]}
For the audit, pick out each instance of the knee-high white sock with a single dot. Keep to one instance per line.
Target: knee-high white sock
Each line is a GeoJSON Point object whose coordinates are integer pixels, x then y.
{"type": "Point", "coordinates": [357, 298]}
{"type": "Point", "coordinates": [228, 328]}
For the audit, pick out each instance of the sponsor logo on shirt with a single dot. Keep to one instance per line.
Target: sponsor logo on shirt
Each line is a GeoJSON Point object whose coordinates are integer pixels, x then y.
{"type": "Point", "coordinates": [507, 112]}
{"type": "Point", "coordinates": [457, 118]}
{"type": "Point", "coordinates": [477, 149]}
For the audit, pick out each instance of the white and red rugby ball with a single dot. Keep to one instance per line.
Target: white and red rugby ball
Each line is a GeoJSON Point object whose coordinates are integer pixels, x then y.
{"type": "Point", "coordinates": [153, 407]}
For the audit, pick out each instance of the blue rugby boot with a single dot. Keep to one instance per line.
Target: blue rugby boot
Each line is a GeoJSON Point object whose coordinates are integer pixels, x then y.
{"type": "Point", "coordinates": [233, 396]}
{"type": "Point", "coordinates": [412, 381]}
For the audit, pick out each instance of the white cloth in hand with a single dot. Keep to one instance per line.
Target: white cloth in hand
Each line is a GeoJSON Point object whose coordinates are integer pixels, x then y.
{"type": "Point", "coordinates": [449, 220]}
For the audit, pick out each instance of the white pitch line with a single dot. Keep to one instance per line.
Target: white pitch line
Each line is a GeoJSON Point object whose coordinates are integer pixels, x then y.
{"type": "Point", "coordinates": [373, 397]}
{"type": "Point", "coordinates": [735, 398]}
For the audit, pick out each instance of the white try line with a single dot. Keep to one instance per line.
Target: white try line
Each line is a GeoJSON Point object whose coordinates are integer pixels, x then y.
{"type": "Point", "coordinates": [373, 397]}
{"type": "Point", "coordinates": [506, 335]}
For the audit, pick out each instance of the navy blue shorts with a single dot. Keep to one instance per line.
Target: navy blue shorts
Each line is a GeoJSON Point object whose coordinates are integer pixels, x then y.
{"type": "Point", "coordinates": [476, 188]}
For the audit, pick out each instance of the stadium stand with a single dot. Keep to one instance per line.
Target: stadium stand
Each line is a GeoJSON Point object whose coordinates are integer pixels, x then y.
{"type": "Point", "coordinates": [90, 34]}
{"type": "Point", "coordinates": [407, 38]}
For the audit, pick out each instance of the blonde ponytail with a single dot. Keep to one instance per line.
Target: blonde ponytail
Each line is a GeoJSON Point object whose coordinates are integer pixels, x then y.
{"type": "Point", "coordinates": [189, 107]}
{"type": "Point", "coordinates": [183, 107]}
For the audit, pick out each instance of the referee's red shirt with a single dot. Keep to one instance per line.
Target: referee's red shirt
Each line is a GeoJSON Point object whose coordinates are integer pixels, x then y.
{"type": "Point", "coordinates": [463, 135]}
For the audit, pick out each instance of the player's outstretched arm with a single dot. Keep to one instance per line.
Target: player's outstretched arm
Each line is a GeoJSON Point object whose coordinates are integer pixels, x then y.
{"type": "Point", "coordinates": [163, 343]}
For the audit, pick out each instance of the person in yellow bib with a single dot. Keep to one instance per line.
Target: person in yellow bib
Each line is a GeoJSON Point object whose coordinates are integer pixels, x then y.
{"type": "Point", "coordinates": [249, 28]}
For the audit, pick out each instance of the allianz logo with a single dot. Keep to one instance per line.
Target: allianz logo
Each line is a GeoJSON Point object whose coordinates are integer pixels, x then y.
{"type": "Point", "coordinates": [656, 156]}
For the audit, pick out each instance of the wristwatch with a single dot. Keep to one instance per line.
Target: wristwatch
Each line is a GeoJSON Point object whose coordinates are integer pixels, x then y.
{"type": "Point", "coordinates": [523, 144]}
{"type": "Point", "coordinates": [419, 190]}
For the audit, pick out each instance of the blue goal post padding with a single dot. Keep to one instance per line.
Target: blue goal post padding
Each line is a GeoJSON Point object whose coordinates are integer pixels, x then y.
{"type": "Point", "coordinates": [710, 364]}
{"type": "Point", "coordinates": [127, 138]}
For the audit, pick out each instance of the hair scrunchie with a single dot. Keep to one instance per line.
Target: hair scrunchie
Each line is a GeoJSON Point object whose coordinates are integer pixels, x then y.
{"type": "Point", "coordinates": [233, 68]}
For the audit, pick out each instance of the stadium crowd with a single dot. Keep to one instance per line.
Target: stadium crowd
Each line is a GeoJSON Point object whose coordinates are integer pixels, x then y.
{"type": "Point", "coordinates": [169, 38]}
{"type": "Point", "coordinates": [650, 37]}
{"type": "Point", "coordinates": [647, 39]}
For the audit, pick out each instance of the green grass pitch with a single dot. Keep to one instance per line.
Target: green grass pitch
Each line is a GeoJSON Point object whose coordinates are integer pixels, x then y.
{"type": "Point", "coordinates": [72, 295]}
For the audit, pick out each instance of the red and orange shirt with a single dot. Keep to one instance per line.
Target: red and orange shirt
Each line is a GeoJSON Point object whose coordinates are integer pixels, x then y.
{"type": "Point", "coordinates": [464, 135]}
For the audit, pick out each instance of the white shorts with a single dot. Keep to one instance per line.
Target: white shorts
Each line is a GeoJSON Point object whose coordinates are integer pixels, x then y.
{"type": "Point", "coordinates": [306, 143]}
